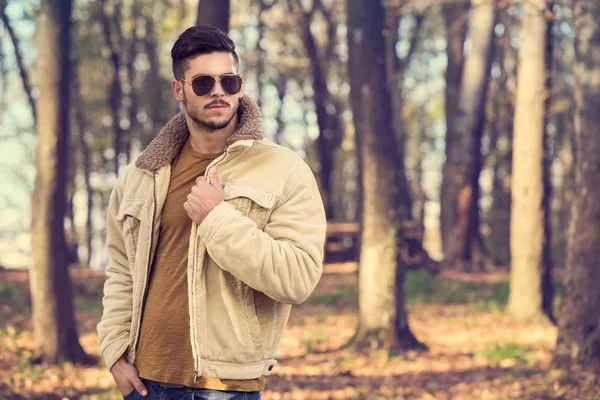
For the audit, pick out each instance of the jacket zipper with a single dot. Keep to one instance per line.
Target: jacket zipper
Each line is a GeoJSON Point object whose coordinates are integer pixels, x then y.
{"type": "Point", "coordinates": [137, 342]}
{"type": "Point", "coordinates": [193, 317]}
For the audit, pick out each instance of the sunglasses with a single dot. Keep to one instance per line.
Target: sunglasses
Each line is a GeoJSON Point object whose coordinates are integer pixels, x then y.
{"type": "Point", "coordinates": [204, 84]}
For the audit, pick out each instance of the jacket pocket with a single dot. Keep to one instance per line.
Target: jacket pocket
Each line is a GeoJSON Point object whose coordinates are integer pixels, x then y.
{"type": "Point", "coordinates": [130, 212]}
{"type": "Point", "coordinates": [253, 202]}
{"type": "Point", "coordinates": [256, 334]}
{"type": "Point", "coordinates": [232, 330]}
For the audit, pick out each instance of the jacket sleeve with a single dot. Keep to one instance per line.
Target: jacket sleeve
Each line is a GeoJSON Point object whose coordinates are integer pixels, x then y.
{"type": "Point", "coordinates": [285, 261]}
{"type": "Point", "coordinates": [114, 326]}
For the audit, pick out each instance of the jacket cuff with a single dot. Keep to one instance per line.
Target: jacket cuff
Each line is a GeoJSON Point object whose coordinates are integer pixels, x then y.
{"type": "Point", "coordinates": [113, 352]}
{"type": "Point", "coordinates": [211, 223]}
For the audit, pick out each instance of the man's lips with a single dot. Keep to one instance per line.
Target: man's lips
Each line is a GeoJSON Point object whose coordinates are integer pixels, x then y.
{"type": "Point", "coordinates": [217, 106]}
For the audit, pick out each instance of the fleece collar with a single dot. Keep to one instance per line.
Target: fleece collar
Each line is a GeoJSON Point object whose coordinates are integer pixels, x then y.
{"type": "Point", "coordinates": [168, 143]}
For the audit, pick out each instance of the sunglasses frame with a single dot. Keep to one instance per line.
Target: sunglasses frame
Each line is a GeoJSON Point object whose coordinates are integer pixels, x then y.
{"type": "Point", "coordinates": [217, 78]}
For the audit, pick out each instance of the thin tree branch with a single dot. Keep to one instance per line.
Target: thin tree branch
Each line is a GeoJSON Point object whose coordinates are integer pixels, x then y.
{"type": "Point", "coordinates": [2, 78]}
{"type": "Point", "coordinates": [267, 6]}
{"type": "Point", "coordinates": [331, 29]}
{"type": "Point", "coordinates": [414, 39]}
{"type": "Point", "coordinates": [399, 64]}
{"type": "Point", "coordinates": [22, 70]}
{"type": "Point", "coordinates": [115, 90]}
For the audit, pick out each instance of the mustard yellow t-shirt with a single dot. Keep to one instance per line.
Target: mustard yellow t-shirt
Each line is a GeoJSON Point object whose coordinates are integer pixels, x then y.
{"type": "Point", "coordinates": [165, 351]}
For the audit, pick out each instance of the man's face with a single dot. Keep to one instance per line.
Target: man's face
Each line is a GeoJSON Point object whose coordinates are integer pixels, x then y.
{"type": "Point", "coordinates": [217, 109]}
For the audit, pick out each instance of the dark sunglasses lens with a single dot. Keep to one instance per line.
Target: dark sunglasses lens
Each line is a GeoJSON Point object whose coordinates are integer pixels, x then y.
{"type": "Point", "coordinates": [202, 85]}
{"type": "Point", "coordinates": [231, 84]}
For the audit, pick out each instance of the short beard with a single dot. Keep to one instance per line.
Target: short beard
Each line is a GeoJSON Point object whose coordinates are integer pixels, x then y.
{"type": "Point", "coordinates": [206, 125]}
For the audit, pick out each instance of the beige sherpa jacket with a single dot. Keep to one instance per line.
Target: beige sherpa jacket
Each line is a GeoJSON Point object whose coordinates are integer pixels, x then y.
{"type": "Point", "coordinates": [253, 256]}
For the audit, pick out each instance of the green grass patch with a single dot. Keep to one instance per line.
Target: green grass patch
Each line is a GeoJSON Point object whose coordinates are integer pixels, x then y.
{"type": "Point", "coordinates": [314, 336]}
{"type": "Point", "coordinates": [14, 297]}
{"type": "Point", "coordinates": [349, 361]}
{"type": "Point", "coordinates": [88, 303]}
{"type": "Point", "coordinates": [345, 296]}
{"type": "Point", "coordinates": [422, 287]}
{"type": "Point", "coordinates": [497, 353]}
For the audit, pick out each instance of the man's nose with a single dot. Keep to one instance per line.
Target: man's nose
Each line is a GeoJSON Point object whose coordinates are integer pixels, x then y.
{"type": "Point", "coordinates": [217, 90]}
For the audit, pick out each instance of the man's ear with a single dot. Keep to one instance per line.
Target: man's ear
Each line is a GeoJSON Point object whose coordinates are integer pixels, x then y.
{"type": "Point", "coordinates": [177, 88]}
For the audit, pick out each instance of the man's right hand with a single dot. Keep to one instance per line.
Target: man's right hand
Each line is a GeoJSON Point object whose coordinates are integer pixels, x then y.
{"type": "Point", "coordinates": [126, 377]}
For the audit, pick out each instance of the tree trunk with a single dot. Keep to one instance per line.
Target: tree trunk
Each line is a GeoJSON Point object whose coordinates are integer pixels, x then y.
{"type": "Point", "coordinates": [71, 233]}
{"type": "Point", "coordinates": [132, 36]}
{"type": "Point", "coordinates": [463, 163]}
{"type": "Point", "coordinates": [54, 325]}
{"type": "Point", "coordinates": [214, 13]}
{"type": "Point", "coordinates": [261, 54]}
{"type": "Point", "coordinates": [565, 123]}
{"type": "Point", "coordinates": [330, 129]}
{"type": "Point", "coordinates": [153, 77]}
{"type": "Point", "coordinates": [501, 127]}
{"type": "Point", "coordinates": [547, 287]}
{"type": "Point", "coordinates": [456, 17]}
{"type": "Point", "coordinates": [579, 332]}
{"type": "Point", "coordinates": [382, 317]}
{"type": "Point", "coordinates": [115, 91]}
{"type": "Point", "coordinates": [280, 84]}
{"type": "Point", "coordinates": [396, 70]}
{"type": "Point", "coordinates": [86, 163]}
{"type": "Point", "coordinates": [528, 244]}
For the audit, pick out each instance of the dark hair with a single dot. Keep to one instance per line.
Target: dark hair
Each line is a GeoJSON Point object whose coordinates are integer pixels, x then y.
{"type": "Point", "coordinates": [202, 39]}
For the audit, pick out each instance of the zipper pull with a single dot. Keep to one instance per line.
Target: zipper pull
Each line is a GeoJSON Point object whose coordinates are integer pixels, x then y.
{"type": "Point", "coordinates": [196, 377]}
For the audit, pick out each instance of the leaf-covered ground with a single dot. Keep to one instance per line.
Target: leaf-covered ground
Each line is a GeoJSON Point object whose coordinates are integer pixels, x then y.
{"type": "Point", "coordinates": [475, 352]}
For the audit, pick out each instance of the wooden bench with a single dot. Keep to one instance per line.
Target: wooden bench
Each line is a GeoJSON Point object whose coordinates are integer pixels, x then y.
{"type": "Point", "coordinates": [342, 240]}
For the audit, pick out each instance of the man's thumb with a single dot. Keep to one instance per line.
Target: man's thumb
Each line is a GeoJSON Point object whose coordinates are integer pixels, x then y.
{"type": "Point", "coordinates": [214, 178]}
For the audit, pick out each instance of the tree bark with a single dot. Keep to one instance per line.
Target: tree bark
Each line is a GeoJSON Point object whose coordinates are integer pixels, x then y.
{"type": "Point", "coordinates": [214, 13]}
{"type": "Point", "coordinates": [280, 85]}
{"type": "Point", "coordinates": [154, 78]}
{"type": "Point", "coordinates": [132, 131]}
{"type": "Point", "coordinates": [54, 325]}
{"type": "Point", "coordinates": [565, 125]}
{"type": "Point", "coordinates": [456, 17]}
{"type": "Point", "coordinates": [396, 69]}
{"type": "Point", "coordinates": [330, 128]}
{"type": "Point", "coordinates": [115, 91]}
{"type": "Point", "coordinates": [528, 244]}
{"type": "Point", "coordinates": [261, 54]}
{"type": "Point", "coordinates": [463, 156]}
{"type": "Point", "coordinates": [86, 163]}
{"type": "Point", "coordinates": [382, 316]}
{"type": "Point", "coordinates": [71, 233]}
{"type": "Point", "coordinates": [547, 286]}
{"type": "Point", "coordinates": [500, 156]}
{"type": "Point", "coordinates": [579, 332]}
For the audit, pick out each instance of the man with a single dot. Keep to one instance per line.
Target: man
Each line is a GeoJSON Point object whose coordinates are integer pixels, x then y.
{"type": "Point", "coordinates": [213, 233]}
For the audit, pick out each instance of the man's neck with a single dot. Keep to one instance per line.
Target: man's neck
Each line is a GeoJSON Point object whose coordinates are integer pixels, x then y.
{"type": "Point", "coordinates": [210, 141]}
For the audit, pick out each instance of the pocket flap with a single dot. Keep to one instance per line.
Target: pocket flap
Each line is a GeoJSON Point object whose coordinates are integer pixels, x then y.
{"type": "Point", "coordinates": [132, 208]}
{"type": "Point", "coordinates": [258, 195]}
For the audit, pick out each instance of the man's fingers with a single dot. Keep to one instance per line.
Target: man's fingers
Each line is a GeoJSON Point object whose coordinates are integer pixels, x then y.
{"type": "Point", "coordinates": [214, 178]}
{"type": "Point", "coordinates": [200, 179]}
{"type": "Point", "coordinates": [138, 385]}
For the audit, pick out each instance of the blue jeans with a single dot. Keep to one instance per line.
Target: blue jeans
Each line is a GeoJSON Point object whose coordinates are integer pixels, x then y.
{"type": "Point", "coordinates": [156, 391]}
